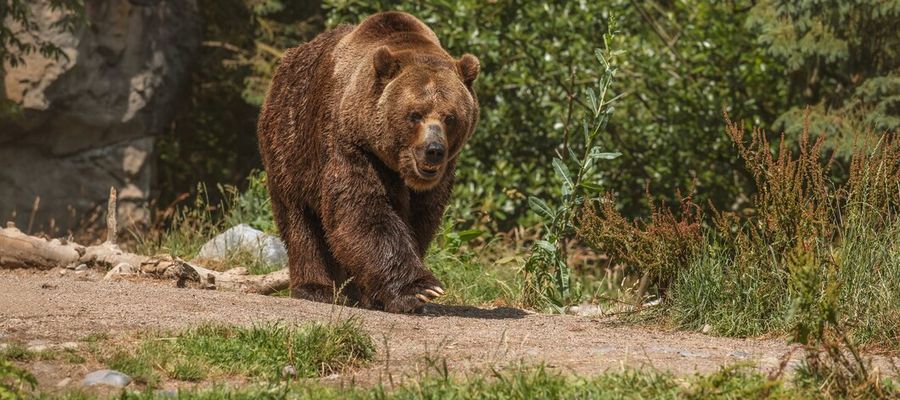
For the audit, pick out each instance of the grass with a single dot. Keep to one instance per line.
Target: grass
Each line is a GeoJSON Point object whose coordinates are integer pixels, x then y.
{"type": "Point", "coordinates": [473, 274]}
{"type": "Point", "coordinates": [733, 382]}
{"type": "Point", "coordinates": [259, 352]}
{"type": "Point", "coordinates": [14, 381]}
{"type": "Point", "coordinates": [183, 230]}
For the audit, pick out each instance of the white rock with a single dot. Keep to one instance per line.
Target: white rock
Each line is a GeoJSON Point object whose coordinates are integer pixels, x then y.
{"type": "Point", "coordinates": [106, 377]}
{"type": "Point", "coordinates": [585, 310]}
{"type": "Point", "coordinates": [269, 249]}
{"type": "Point", "coordinates": [118, 270]}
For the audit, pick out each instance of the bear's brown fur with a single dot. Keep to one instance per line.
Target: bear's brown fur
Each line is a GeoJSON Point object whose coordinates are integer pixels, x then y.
{"type": "Point", "coordinates": [359, 136]}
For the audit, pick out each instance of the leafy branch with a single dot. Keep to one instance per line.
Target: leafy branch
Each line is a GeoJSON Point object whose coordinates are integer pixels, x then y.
{"type": "Point", "coordinates": [549, 276]}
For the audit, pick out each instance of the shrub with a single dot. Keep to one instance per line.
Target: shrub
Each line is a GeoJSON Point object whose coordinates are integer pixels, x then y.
{"type": "Point", "coordinates": [754, 273]}
{"type": "Point", "coordinates": [660, 248]}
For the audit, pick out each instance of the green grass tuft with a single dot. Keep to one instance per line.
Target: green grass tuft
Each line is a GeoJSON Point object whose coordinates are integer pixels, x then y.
{"type": "Point", "coordinates": [263, 351]}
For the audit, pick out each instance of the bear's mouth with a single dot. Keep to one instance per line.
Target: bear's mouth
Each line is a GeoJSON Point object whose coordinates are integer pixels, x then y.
{"type": "Point", "coordinates": [428, 171]}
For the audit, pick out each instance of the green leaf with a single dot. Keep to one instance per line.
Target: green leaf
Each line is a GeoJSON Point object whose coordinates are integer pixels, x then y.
{"type": "Point", "coordinates": [469, 234]}
{"type": "Point", "coordinates": [594, 187]}
{"type": "Point", "coordinates": [596, 154]}
{"type": "Point", "coordinates": [573, 155]}
{"type": "Point", "coordinates": [562, 171]}
{"type": "Point", "coordinates": [587, 130]}
{"type": "Point", "coordinates": [592, 101]}
{"type": "Point", "coordinates": [540, 206]}
{"type": "Point", "coordinates": [546, 246]}
{"type": "Point", "coordinates": [599, 54]}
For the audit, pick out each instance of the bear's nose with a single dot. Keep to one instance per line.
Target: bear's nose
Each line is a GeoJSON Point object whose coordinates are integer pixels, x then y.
{"type": "Point", "coordinates": [434, 153]}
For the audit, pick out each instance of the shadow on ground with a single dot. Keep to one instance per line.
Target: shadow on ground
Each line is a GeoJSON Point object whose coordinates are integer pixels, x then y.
{"type": "Point", "coordinates": [441, 310]}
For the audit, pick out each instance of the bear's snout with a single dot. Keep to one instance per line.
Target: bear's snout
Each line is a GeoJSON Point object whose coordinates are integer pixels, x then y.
{"type": "Point", "coordinates": [435, 146]}
{"type": "Point", "coordinates": [434, 153]}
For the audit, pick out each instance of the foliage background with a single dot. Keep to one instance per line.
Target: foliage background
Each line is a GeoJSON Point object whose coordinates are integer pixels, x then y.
{"type": "Point", "coordinates": [685, 62]}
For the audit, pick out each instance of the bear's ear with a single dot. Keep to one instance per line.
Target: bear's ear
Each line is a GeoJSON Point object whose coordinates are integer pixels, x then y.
{"type": "Point", "coordinates": [468, 67]}
{"type": "Point", "coordinates": [386, 65]}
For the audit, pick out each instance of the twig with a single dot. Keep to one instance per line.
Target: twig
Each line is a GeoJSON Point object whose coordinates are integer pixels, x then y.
{"type": "Point", "coordinates": [111, 223]}
{"type": "Point", "coordinates": [34, 210]}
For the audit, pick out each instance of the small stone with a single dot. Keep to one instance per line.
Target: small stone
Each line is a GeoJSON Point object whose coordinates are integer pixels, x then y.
{"type": "Point", "coordinates": [81, 267]}
{"type": "Point", "coordinates": [64, 382]}
{"type": "Point", "coordinates": [289, 371]}
{"type": "Point", "coordinates": [76, 266]}
{"type": "Point", "coordinates": [38, 348]}
{"type": "Point", "coordinates": [68, 345]}
{"type": "Point", "coordinates": [106, 377]}
{"type": "Point", "coordinates": [63, 272]}
{"type": "Point", "coordinates": [707, 328]}
{"type": "Point", "coordinates": [739, 354]}
{"type": "Point", "coordinates": [585, 310]}
{"type": "Point", "coordinates": [652, 303]}
{"type": "Point", "coordinates": [689, 354]}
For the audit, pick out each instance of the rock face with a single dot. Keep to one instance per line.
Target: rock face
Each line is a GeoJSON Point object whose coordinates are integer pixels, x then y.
{"type": "Point", "coordinates": [90, 120]}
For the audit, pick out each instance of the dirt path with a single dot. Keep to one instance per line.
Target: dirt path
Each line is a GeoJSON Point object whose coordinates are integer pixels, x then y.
{"type": "Point", "coordinates": [50, 308]}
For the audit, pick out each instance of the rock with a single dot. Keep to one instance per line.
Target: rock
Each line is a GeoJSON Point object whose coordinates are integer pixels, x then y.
{"type": "Point", "coordinates": [91, 118]}
{"type": "Point", "coordinates": [585, 310]}
{"type": "Point", "coordinates": [64, 382]}
{"type": "Point", "coordinates": [68, 345]}
{"type": "Point", "coordinates": [81, 267]}
{"type": "Point", "coordinates": [652, 303]}
{"type": "Point", "coordinates": [288, 371]}
{"type": "Point", "coordinates": [707, 328]}
{"type": "Point", "coordinates": [119, 270]}
{"type": "Point", "coordinates": [739, 354]}
{"type": "Point", "coordinates": [106, 377]}
{"type": "Point", "coordinates": [39, 348]}
{"type": "Point", "coordinates": [267, 248]}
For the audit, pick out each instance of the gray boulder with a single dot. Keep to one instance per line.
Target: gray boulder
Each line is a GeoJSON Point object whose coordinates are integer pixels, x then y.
{"type": "Point", "coordinates": [266, 248]}
{"type": "Point", "coordinates": [91, 120]}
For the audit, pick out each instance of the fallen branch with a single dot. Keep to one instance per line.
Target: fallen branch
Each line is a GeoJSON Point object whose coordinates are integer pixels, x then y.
{"type": "Point", "coordinates": [18, 250]}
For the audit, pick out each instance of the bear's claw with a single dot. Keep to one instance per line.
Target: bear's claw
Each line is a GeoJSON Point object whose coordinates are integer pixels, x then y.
{"type": "Point", "coordinates": [427, 295]}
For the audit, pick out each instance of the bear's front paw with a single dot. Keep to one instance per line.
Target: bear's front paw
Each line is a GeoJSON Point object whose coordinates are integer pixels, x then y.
{"type": "Point", "coordinates": [414, 296]}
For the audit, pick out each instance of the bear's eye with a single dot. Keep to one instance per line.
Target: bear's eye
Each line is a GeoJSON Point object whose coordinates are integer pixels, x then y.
{"type": "Point", "coordinates": [450, 119]}
{"type": "Point", "coordinates": [415, 117]}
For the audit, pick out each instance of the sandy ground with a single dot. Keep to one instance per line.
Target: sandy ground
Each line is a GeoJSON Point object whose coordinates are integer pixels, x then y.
{"type": "Point", "coordinates": [48, 308]}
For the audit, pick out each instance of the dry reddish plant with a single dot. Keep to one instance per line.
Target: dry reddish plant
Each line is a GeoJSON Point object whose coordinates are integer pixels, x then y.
{"type": "Point", "coordinates": [793, 204]}
{"type": "Point", "coordinates": [658, 247]}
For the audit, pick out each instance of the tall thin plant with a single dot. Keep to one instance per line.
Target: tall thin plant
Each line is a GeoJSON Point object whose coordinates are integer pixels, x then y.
{"type": "Point", "coordinates": [549, 279]}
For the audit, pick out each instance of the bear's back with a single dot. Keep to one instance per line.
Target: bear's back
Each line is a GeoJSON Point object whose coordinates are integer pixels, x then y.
{"type": "Point", "coordinates": [394, 28]}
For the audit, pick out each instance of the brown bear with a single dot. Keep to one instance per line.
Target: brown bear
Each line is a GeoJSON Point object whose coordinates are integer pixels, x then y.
{"type": "Point", "coordinates": [359, 135]}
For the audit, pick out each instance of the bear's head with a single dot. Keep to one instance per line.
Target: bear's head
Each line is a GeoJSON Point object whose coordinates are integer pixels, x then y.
{"type": "Point", "coordinates": [428, 109]}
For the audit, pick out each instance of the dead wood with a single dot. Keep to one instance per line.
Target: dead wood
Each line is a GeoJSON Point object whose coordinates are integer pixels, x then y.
{"type": "Point", "coordinates": [18, 250]}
